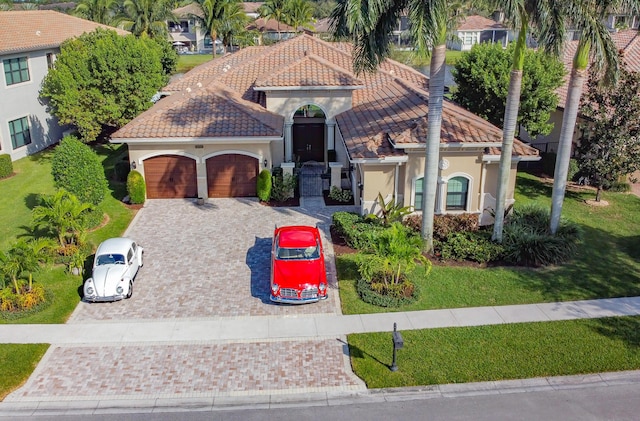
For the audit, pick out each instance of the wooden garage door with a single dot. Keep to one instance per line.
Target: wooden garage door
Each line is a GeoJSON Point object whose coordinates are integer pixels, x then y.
{"type": "Point", "coordinates": [232, 175]}
{"type": "Point", "coordinates": [170, 176]}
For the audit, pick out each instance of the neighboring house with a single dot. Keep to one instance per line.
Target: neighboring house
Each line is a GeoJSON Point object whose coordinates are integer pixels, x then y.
{"type": "Point", "coordinates": [251, 8]}
{"type": "Point", "coordinates": [271, 30]}
{"type": "Point", "coordinates": [186, 33]}
{"type": "Point", "coordinates": [30, 41]}
{"type": "Point", "coordinates": [298, 103]}
{"type": "Point", "coordinates": [627, 42]}
{"type": "Point", "coordinates": [476, 29]}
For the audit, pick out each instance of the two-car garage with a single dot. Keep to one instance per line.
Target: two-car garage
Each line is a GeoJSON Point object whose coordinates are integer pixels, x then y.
{"type": "Point", "coordinates": [175, 176]}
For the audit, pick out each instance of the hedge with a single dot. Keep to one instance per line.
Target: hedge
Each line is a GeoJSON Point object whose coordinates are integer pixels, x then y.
{"type": "Point", "coordinates": [6, 166]}
{"type": "Point", "coordinates": [136, 188]}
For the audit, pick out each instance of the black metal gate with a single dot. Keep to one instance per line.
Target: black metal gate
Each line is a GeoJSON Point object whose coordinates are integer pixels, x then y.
{"type": "Point", "coordinates": [310, 179]}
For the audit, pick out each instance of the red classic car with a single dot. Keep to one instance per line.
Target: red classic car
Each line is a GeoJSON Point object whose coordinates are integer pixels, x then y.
{"type": "Point", "coordinates": [298, 274]}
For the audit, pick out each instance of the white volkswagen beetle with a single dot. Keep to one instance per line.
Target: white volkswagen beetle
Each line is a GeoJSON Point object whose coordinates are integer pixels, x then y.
{"type": "Point", "coordinates": [115, 266]}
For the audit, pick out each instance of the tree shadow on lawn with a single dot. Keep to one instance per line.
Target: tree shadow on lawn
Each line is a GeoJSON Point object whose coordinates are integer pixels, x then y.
{"type": "Point", "coordinates": [602, 268]}
{"type": "Point", "coordinates": [625, 329]}
{"type": "Point", "coordinates": [535, 189]}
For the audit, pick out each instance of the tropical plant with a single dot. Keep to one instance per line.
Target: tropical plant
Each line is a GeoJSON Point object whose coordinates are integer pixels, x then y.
{"type": "Point", "coordinates": [147, 18]}
{"type": "Point", "coordinates": [545, 17]}
{"type": "Point", "coordinates": [274, 9]}
{"type": "Point", "coordinates": [100, 11]}
{"type": "Point", "coordinates": [221, 18]}
{"type": "Point", "coordinates": [63, 215]}
{"type": "Point", "coordinates": [609, 147]}
{"type": "Point", "coordinates": [25, 256]}
{"type": "Point", "coordinates": [340, 195]}
{"type": "Point", "coordinates": [369, 23]}
{"type": "Point", "coordinates": [283, 187]}
{"type": "Point", "coordinates": [299, 14]}
{"type": "Point", "coordinates": [588, 17]}
{"type": "Point", "coordinates": [391, 211]}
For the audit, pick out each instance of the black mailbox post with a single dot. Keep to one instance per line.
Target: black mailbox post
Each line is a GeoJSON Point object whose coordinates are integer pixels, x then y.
{"type": "Point", "coordinates": [398, 343]}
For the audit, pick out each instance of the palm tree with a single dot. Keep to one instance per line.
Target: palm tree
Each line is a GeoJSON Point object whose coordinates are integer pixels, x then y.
{"type": "Point", "coordinates": [11, 266]}
{"type": "Point", "coordinates": [274, 9]}
{"type": "Point", "coordinates": [587, 16]}
{"type": "Point", "coordinates": [299, 14]}
{"type": "Point", "coordinates": [220, 17]}
{"type": "Point", "coordinates": [101, 11]}
{"type": "Point", "coordinates": [63, 215]}
{"type": "Point", "coordinates": [370, 23]}
{"type": "Point", "coordinates": [546, 17]}
{"type": "Point", "coordinates": [234, 22]}
{"type": "Point", "coordinates": [147, 17]}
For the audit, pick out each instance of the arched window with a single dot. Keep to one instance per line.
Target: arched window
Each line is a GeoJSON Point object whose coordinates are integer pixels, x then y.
{"type": "Point", "coordinates": [457, 193]}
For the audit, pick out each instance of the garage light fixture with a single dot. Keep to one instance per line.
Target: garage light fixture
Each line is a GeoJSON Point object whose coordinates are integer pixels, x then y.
{"type": "Point", "coordinates": [265, 162]}
{"type": "Point", "coordinates": [133, 165]}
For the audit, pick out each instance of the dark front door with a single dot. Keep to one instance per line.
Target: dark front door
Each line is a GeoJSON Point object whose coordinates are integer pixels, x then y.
{"type": "Point", "coordinates": [308, 141]}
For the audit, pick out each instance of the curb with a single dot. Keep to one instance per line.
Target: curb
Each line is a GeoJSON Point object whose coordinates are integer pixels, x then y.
{"type": "Point", "coordinates": [332, 398]}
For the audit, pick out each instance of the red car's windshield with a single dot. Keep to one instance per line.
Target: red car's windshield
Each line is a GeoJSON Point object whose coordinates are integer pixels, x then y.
{"type": "Point", "coordinates": [307, 253]}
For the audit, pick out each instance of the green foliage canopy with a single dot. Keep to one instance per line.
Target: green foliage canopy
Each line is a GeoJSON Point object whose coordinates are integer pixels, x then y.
{"type": "Point", "coordinates": [101, 80]}
{"type": "Point", "coordinates": [482, 76]}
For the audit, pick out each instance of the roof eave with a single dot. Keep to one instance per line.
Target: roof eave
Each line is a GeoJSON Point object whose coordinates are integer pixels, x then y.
{"type": "Point", "coordinates": [195, 140]}
{"type": "Point", "coordinates": [307, 88]}
{"type": "Point", "coordinates": [523, 158]}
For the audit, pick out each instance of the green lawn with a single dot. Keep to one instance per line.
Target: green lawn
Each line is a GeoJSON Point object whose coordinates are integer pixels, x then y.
{"type": "Point", "coordinates": [409, 58]}
{"type": "Point", "coordinates": [607, 264]}
{"type": "Point", "coordinates": [187, 62]}
{"type": "Point", "coordinates": [500, 352]}
{"type": "Point", "coordinates": [33, 178]}
{"type": "Point", "coordinates": [18, 362]}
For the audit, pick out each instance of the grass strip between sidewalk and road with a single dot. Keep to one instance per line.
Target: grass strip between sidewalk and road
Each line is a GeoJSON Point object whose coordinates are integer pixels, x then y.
{"type": "Point", "coordinates": [498, 352]}
{"type": "Point", "coordinates": [18, 362]}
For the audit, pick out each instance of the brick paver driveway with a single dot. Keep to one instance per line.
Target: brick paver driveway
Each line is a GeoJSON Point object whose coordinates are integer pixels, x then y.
{"type": "Point", "coordinates": [209, 261]}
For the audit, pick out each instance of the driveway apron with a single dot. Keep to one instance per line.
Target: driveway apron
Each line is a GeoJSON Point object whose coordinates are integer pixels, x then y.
{"type": "Point", "coordinates": [201, 263]}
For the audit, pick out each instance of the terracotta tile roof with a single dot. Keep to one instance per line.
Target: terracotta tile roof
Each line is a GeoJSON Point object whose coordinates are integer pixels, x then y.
{"type": "Point", "coordinates": [251, 7]}
{"type": "Point", "coordinates": [271, 25]}
{"type": "Point", "coordinates": [308, 71]}
{"type": "Point", "coordinates": [33, 30]}
{"type": "Point", "coordinates": [627, 42]}
{"type": "Point", "coordinates": [188, 10]}
{"type": "Point", "coordinates": [322, 25]}
{"type": "Point", "coordinates": [207, 112]}
{"type": "Point", "coordinates": [478, 23]}
{"type": "Point", "coordinates": [390, 103]}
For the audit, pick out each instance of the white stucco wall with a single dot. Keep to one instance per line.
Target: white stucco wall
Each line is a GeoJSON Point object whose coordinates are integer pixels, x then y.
{"type": "Point", "coordinates": [22, 100]}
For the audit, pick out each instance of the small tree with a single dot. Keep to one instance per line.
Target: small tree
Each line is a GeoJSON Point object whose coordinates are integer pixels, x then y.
{"type": "Point", "coordinates": [482, 78]}
{"type": "Point", "coordinates": [609, 147]}
{"type": "Point", "coordinates": [102, 80]}
{"type": "Point", "coordinates": [77, 169]}
{"type": "Point", "coordinates": [6, 166]}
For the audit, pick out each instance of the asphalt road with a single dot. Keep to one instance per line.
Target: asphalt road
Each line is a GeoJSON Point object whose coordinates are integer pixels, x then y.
{"type": "Point", "coordinates": [584, 404]}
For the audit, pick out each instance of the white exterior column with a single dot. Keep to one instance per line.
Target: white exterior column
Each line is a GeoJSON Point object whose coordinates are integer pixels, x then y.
{"type": "Point", "coordinates": [288, 141]}
{"type": "Point", "coordinates": [336, 174]}
{"type": "Point", "coordinates": [331, 138]}
{"type": "Point", "coordinates": [441, 196]}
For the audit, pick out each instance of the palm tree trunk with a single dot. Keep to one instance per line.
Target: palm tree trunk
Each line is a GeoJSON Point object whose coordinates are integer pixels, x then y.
{"type": "Point", "coordinates": [430, 181]}
{"type": "Point", "coordinates": [570, 115]}
{"type": "Point", "coordinates": [509, 129]}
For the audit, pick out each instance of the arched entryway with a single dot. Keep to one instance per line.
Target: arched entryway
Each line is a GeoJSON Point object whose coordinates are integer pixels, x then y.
{"type": "Point", "coordinates": [308, 134]}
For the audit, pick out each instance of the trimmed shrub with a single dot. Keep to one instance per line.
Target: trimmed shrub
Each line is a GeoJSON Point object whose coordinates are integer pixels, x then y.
{"type": "Point", "coordinates": [264, 185]}
{"type": "Point", "coordinates": [358, 232]}
{"type": "Point", "coordinates": [469, 245]}
{"type": "Point", "coordinates": [443, 225]}
{"type": "Point", "coordinates": [121, 171]}
{"type": "Point", "coordinates": [394, 297]}
{"type": "Point", "coordinates": [6, 166]}
{"type": "Point", "coordinates": [340, 195]}
{"type": "Point", "coordinates": [136, 188]}
{"type": "Point", "coordinates": [77, 169]}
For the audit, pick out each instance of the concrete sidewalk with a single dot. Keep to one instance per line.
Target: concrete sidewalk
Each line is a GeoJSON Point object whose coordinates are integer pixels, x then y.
{"type": "Point", "coordinates": [309, 326]}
